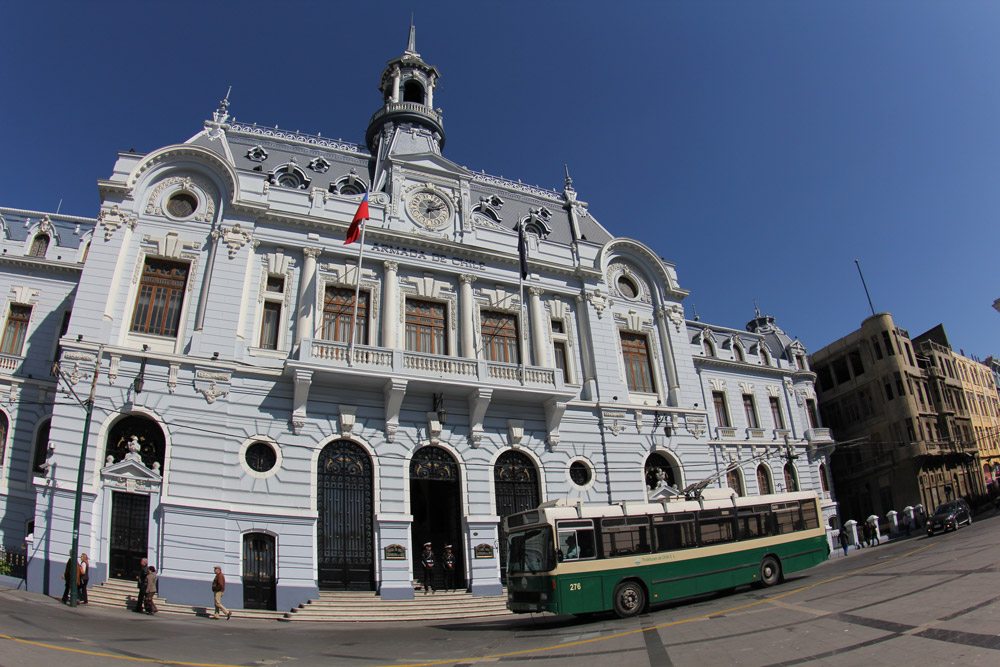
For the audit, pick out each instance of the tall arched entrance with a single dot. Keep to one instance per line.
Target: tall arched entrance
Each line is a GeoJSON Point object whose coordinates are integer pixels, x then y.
{"type": "Point", "coordinates": [436, 506]}
{"type": "Point", "coordinates": [515, 482]}
{"type": "Point", "coordinates": [344, 532]}
{"type": "Point", "coordinates": [130, 513]}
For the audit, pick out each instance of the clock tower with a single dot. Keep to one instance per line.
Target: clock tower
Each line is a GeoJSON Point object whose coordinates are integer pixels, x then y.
{"type": "Point", "coordinates": [407, 122]}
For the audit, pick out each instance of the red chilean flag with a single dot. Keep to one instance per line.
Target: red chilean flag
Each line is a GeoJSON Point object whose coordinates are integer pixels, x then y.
{"type": "Point", "coordinates": [354, 231]}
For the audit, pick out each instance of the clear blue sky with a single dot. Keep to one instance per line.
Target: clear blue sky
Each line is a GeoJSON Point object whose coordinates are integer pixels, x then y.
{"type": "Point", "coordinates": [760, 146]}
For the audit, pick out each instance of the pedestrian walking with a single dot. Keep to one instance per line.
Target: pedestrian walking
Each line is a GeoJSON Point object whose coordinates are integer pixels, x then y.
{"type": "Point", "coordinates": [906, 524]}
{"type": "Point", "coordinates": [84, 577]}
{"type": "Point", "coordinates": [427, 564]}
{"type": "Point", "coordinates": [140, 603]}
{"type": "Point", "coordinates": [866, 534]}
{"type": "Point", "coordinates": [844, 543]}
{"type": "Point", "coordinates": [218, 588]}
{"type": "Point", "coordinates": [449, 568]}
{"type": "Point", "coordinates": [874, 533]}
{"type": "Point", "coordinates": [152, 579]}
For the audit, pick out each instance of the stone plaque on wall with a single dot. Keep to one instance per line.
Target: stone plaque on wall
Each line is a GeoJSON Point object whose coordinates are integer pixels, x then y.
{"type": "Point", "coordinates": [483, 551]}
{"type": "Point", "coordinates": [395, 552]}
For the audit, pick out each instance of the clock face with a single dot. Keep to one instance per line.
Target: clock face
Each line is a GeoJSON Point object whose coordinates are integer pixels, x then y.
{"type": "Point", "coordinates": [429, 209]}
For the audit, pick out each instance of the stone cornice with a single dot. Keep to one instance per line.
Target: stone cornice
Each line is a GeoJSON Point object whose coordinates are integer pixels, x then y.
{"type": "Point", "coordinates": [738, 366]}
{"type": "Point", "coordinates": [40, 264]}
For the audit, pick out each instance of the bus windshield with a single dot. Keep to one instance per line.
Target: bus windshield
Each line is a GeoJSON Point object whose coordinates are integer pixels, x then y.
{"type": "Point", "coordinates": [530, 550]}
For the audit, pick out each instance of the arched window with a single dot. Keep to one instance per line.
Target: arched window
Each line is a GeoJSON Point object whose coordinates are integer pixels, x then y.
{"type": "Point", "coordinates": [791, 478]}
{"type": "Point", "coordinates": [413, 92]}
{"type": "Point", "coordinates": [738, 353]}
{"type": "Point", "coordinates": [41, 449]}
{"type": "Point", "coordinates": [734, 480]}
{"type": "Point", "coordinates": [152, 443]}
{"type": "Point", "coordinates": [764, 485]}
{"type": "Point", "coordinates": [765, 357]}
{"type": "Point", "coordinates": [707, 347]}
{"type": "Point", "coordinates": [39, 246]}
{"type": "Point", "coordinates": [823, 483]}
{"type": "Point", "coordinates": [659, 466]}
{"type": "Point", "coordinates": [4, 427]}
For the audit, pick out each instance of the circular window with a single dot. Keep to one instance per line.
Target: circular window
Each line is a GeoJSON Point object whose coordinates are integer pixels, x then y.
{"type": "Point", "coordinates": [182, 204]}
{"type": "Point", "coordinates": [580, 473]}
{"type": "Point", "coordinates": [627, 287]}
{"type": "Point", "coordinates": [261, 457]}
{"type": "Point", "coordinates": [288, 180]}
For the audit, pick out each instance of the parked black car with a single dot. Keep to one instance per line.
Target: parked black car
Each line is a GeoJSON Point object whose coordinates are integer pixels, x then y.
{"type": "Point", "coordinates": [949, 516]}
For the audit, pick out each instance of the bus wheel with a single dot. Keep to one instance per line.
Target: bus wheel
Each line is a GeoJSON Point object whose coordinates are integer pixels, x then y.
{"type": "Point", "coordinates": [630, 599]}
{"type": "Point", "coordinates": [770, 571]}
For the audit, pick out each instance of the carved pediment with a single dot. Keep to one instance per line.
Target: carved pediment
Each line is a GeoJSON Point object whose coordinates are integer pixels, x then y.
{"type": "Point", "coordinates": [131, 475]}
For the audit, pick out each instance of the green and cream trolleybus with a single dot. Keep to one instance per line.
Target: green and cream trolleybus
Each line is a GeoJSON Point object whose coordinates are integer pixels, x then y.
{"type": "Point", "coordinates": [576, 559]}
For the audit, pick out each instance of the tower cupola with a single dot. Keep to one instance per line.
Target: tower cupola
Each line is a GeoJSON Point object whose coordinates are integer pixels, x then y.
{"type": "Point", "coordinates": [407, 88]}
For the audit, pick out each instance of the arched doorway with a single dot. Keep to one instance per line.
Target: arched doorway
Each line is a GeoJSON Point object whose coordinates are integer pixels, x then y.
{"type": "Point", "coordinates": [130, 514]}
{"type": "Point", "coordinates": [655, 465]}
{"type": "Point", "coordinates": [436, 506]}
{"type": "Point", "coordinates": [344, 532]}
{"type": "Point", "coordinates": [259, 582]}
{"type": "Point", "coordinates": [515, 482]}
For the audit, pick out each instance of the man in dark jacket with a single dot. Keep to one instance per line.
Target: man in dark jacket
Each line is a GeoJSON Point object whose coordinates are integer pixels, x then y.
{"type": "Point", "coordinates": [140, 603]}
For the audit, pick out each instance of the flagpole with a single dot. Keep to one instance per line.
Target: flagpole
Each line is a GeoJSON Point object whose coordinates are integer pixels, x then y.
{"type": "Point", "coordinates": [361, 256]}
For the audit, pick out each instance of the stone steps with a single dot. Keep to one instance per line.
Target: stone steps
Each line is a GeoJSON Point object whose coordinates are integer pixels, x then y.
{"type": "Point", "coordinates": [329, 606]}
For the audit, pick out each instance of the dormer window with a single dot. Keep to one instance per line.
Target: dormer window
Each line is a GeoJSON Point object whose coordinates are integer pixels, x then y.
{"type": "Point", "coordinates": [39, 246]}
{"type": "Point", "coordinates": [738, 353]}
{"type": "Point", "coordinates": [290, 176]}
{"type": "Point", "coordinates": [413, 92]}
{"type": "Point", "coordinates": [707, 347]}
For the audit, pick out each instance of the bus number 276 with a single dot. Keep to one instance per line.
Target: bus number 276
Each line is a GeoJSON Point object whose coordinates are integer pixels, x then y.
{"type": "Point", "coordinates": [576, 587]}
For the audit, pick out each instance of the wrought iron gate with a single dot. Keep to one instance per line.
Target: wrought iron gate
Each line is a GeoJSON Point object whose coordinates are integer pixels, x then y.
{"type": "Point", "coordinates": [344, 535]}
{"type": "Point", "coordinates": [259, 585]}
{"type": "Point", "coordinates": [129, 534]}
{"type": "Point", "coordinates": [515, 481]}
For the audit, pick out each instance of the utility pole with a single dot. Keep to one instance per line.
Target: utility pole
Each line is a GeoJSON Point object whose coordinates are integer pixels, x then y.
{"type": "Point", "coordinates": [88, 407]}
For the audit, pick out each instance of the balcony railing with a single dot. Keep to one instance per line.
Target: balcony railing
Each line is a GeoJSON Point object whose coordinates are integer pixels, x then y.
{"type": "Point", "coordinates": [755, 433]}
{"type": "Point", "coordinates": [420, 365]}
{"type": "Point", "coordinates": [725, 432]}
{"type": "Point", "coordinates": [9, 363]}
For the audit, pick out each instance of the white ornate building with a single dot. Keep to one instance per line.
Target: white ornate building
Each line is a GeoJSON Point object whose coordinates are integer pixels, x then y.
{"type": "Point", "coordinates": [214, 293]}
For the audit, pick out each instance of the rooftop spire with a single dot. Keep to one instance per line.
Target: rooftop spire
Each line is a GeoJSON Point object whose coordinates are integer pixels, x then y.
{"type": "Point", "coordinates": [569, 180]}
{"type": "Point", "coordinates": [411, 44]}
{"type": "Point", "coordinates": [221, 115]}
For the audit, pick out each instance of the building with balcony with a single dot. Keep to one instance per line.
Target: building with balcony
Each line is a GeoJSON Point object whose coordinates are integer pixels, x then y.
{"type": "Point", "coordinates": [979, 393]}
{"type": "Point", "coordinates": [907, 437]}
{"type": "Point", "coordinates": [269, 400]}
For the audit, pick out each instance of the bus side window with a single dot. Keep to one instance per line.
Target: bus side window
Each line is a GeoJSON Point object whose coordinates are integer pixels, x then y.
{"type": "Point", "coordinates": [585, 538]}
{"type": "Point", "coordinates": [809, 516]}
{"type": "Point", "coordinates": [674, 531]}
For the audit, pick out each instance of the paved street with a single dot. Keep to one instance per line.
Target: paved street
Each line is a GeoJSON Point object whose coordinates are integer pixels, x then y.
{"type": "Point", "coordinates": [919, 601]}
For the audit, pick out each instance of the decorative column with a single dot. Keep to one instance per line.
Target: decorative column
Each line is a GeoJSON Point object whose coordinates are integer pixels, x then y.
{"type": "Point", "coordinates": [395, 84]}
{"type": "Point", "coordinates": [307, 295]}
{"type": "Point", "coordinates": [466, 314]}
{"type": "Point", "coordinates": [662, 313]}
{"type": "Point", "coordinates": [538, 325]}
{"type": "Point", "coordinates": [390, 305]}
{"type": "Point", "coordinates": [586, 348]}
{"type": "Point", "coordinates": [430, 93]}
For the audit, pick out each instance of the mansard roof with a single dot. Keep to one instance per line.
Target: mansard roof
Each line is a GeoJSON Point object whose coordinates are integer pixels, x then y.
{"type": "Point", "coordinates": [18, 224]}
